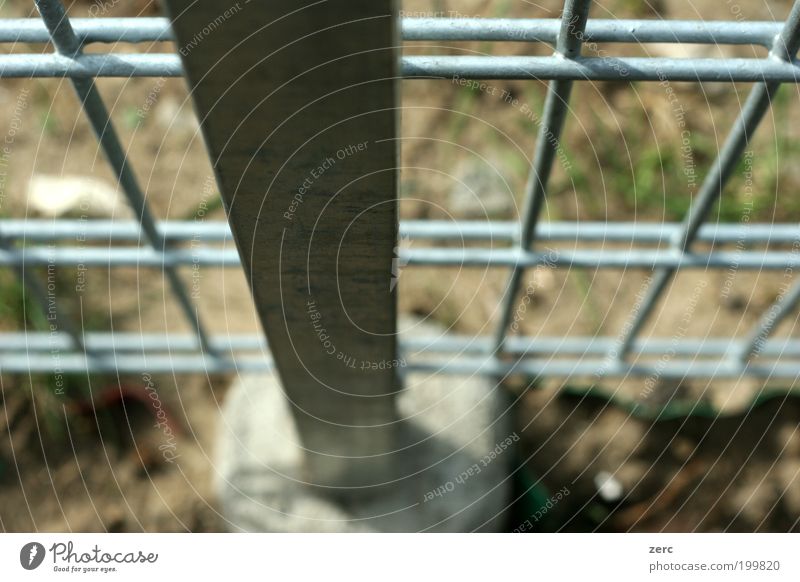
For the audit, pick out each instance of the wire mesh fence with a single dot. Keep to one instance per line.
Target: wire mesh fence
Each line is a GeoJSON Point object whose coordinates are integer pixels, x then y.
{"type": "Point", "coordinates": [662, 249]}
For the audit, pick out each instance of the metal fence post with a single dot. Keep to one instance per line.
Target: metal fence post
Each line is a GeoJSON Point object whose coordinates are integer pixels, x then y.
{"type": "Point", "coordinates": [297, 103]}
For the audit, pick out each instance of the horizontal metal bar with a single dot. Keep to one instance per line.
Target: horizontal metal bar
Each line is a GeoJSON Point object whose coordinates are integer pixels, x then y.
{"type": "Point", "coordinates": [639, 259]}
{"type": "Point", "coordinates": [87, 66]}
{"type": "Point", "coordinates": [601, 69]}
{"type": "Point", "coordinates": [120, 342]}
{"type": "Point", "coordinates": [119, 256]}
{"type": "Point", "coordinates": [144, 29]}
{"type": "Point", "coordinates": [172, 231]}
{"type": "Point", "coordinates": [75, 363]}
{"type": "Point", "coordinates": [88, 30]}
{"type": "Point", "coordinates": [601, 368]}
{"type": "Point", "coordinates": [72, 363]}
{"type": "Point", "coordinates": [459, 257]}
{"type": "Point", "coordinates": [597, 30]}
{"type": "Point", "coordinates": [410, 347]}
{"type": "Point", "coordinates": [526, 346]}
{"type": "Point", "coordinates": [618, 232]}
{"type": "Point", "coordinates": [212, 231]}
{"type": "Point", "coordinates": [472, 67]}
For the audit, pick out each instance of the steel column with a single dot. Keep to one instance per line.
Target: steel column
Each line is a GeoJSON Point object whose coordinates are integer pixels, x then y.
{"type": "Point", "coordinates": [297, 102]}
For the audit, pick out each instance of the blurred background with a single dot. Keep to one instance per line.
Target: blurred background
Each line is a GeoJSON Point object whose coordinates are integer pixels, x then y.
{"type": "Point", "coordinates": [84, 453]}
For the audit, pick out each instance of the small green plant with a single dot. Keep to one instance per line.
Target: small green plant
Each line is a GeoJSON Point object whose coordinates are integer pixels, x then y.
{"type": "Point", "coordinates": [48, 124]}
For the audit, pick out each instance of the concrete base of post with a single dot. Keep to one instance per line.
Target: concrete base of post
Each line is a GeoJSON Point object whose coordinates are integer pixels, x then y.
{"type": "Point", "coordinates": [457, 477]}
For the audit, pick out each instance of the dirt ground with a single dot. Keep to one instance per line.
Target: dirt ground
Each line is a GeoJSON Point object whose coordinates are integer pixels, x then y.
{"type": "Point", "coordinates": [66, 466]}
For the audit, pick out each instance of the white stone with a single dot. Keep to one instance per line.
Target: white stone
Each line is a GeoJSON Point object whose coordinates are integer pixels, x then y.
{"type": "Point", "coordinates": [55, 196]}
{"type": "Point", "coordinates": [608, 487]}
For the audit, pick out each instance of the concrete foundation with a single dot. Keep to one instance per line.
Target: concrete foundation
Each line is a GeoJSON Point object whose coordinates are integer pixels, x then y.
{"type": "Point", "coordinates": [457, 443]}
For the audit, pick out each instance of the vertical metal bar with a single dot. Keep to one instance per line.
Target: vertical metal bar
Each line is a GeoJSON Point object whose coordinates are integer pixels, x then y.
{"type": "Point", "coordinates": [68, 44]}
{"type": "Point", "coordinates": [568, 45]}
{"type": "Point", "coordinates": [297, 102]}
{"type": "Point", "coordinates": [784, 47]}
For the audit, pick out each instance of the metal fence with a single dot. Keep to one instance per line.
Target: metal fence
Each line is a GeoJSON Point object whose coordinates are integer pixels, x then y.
{"type": "Point", "coordinates": [661, 248]}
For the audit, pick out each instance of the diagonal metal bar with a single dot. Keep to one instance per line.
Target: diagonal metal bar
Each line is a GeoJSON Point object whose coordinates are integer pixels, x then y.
{"type": "Point", "coordinates": [784, 49]}
{"type": "Point", "coordinates": [756, 339]}
{"type": "Point", "coordinates": [568, 46]}
{"type": "Point", "coordinates": [67, 44]}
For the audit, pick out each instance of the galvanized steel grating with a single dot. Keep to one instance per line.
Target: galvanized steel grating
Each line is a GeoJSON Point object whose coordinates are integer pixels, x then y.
{"type": "Point", "coordinates": [662, 248]}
